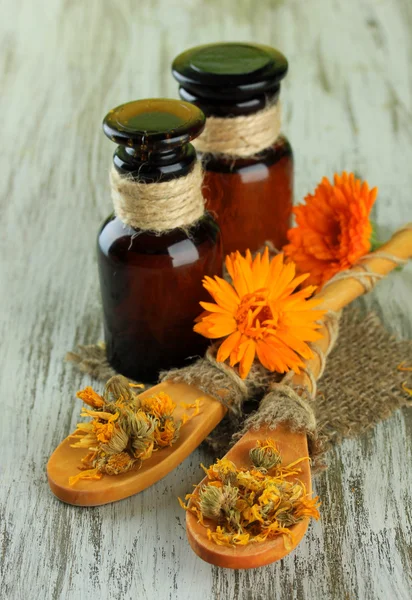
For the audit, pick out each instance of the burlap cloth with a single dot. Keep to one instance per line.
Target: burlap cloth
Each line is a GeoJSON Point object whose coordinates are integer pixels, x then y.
{"type": "Point", "coordinates": [360, 387]}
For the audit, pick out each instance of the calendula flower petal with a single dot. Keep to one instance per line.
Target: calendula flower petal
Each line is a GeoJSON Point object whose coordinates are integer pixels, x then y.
{"type": "Point", "coordinates": [228, 346]}
{"type": "Point", "coordinates": [214, 308]}
{"type": "Point", "coordinates": [222, 292]}
{"type": "Point", "coordinates": [219, 325]}
{"type": "Point", "coordinates": [247, 358]}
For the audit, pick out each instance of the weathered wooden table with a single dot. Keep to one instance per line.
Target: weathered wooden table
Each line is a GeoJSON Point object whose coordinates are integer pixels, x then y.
{"type": "Point", "coordinates": [348, 105]}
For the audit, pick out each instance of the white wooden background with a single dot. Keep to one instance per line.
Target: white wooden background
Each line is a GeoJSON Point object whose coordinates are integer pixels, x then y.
{"type": "Point", "coordinates": [348, 105]}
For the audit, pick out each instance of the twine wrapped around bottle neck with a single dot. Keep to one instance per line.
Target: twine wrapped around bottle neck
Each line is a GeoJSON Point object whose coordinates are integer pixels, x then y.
{"type": "Point", "coordinates": [241, 136]}
{"type": "Point", "coordinates": [161, 206]}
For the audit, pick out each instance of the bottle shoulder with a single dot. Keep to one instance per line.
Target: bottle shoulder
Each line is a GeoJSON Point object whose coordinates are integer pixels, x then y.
{"type": "Point", "coordinates": [280, 149]}
{"type": "Point", "coordinates": [115, 238]}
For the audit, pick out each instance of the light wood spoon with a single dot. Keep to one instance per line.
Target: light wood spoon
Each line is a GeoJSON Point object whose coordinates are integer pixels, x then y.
{"type": "Point", "coordinates": [65, 460]}
{"type": "Point", "coordinates": [292, 445]}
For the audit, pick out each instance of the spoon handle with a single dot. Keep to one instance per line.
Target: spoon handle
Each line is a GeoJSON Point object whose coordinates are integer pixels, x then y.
{"type": "Point", "coordinates": [337, 294]}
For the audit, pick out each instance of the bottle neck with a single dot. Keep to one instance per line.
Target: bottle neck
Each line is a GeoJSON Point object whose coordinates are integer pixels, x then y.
{"type": "Point", "coordinates": [158, 206]}
{"type": "Point", "coordinates": [223, 105]}
{"type": "Point", "coordinates": [152, 167]}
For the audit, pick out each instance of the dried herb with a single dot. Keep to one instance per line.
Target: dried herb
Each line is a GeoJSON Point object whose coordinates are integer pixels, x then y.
{"type": "Point", "coordinates": [405, 367]}
{"type": "Point", "coordinates": [125, 429]}
{"type": "Point", "coordinates": [253, 505]}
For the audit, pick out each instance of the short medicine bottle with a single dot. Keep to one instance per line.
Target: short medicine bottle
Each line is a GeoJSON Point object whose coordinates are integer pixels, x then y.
{"type": "Point", "coordinates": [159, 243]}
{"type": "Point", "coordinates": [248, 163]}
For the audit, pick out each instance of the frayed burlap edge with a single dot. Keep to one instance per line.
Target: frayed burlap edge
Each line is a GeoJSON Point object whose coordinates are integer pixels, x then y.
{"type": "Point", "coordinates": [221, 381]}
{"type": "Point", "coordinates": [360, 387]}
{"type": "Point", "coordinates": [362, 384]}
{"type": "Point", "coordinates": [92, 359]}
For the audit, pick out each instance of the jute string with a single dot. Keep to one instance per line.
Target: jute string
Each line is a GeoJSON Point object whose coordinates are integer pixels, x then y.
{"type": "Point", "coordinates": [367, 278]}
{"type": "Point", "coordinates": [219, 380]}
{"type": "Point", "coordinates": [288, 403]}
{"type": "Point", "coordinates": [160, 206]}
{"type": "Point", "coordinates": [293, 404]}
{"type": "Point", "coordinates": [361, 382]}
{"type": "Point", "coordinates": [241, 136]}
{"type": "Point", "coordinates": [92, 360]}
{"type": "Point", "coordinates": [360, 387]}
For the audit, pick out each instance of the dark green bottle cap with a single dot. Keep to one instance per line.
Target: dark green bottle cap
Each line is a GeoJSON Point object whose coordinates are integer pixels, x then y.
{"type": "Point", "coordinates": [154, 125]}
{"type": "Point", "coordinates": [240, 70]}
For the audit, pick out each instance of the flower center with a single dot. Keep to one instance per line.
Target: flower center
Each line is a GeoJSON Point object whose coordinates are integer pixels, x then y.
{"type": "Point", "coordinates": [254, 316]}
{"type": "Point", "coordinates": [334, 236]}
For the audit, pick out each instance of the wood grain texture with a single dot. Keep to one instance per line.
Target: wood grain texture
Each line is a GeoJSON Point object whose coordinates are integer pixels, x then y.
{"type": "Point", "coordinates": [347, 104]}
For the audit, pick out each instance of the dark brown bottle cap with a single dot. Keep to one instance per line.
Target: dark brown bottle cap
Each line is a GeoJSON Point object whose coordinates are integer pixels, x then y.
{"type": "Point", "coordinates": [230, 70]}
{"type": "Point", "coordinates": [154, 125]}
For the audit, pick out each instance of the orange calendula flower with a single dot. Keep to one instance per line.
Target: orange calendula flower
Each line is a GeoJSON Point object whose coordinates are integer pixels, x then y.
{"type": "Point", "coordinates": [260, 314]}
{"type": "Point", "coordinates": [333, 230]}
{"type": "Point", "coordinates": [104, 431]}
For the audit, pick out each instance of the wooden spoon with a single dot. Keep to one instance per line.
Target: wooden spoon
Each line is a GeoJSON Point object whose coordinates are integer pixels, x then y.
{"type": "Point", "coordinates": [65, 460]}
{"type": "Point", "coordinates": [292, 445]}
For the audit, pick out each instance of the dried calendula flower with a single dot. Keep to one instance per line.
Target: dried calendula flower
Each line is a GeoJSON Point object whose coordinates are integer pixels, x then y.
{"type": "Point", "coordinates": [90, 397]}
{"type": "Point", "coordinates": [125, 429]}
{"type": "Point", "coordinates": [265, 455]}
{"type": "Point", "coordinates": [141, 431]}
{"type": "Point", "coordinates": [119, 463]}
{"type": "Point", "coordinates": [253, 505]}
{"type": "Point", "coordinates": [223, 470]}
{"type": "Point", "coordinates": [215, 501]}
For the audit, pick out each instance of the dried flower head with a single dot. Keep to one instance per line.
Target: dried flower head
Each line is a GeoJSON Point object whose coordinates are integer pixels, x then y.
{"type": "Point", "coordinates": [90, 397]}
{"type": "Point", "coordinates": [141, 430]}
{"type": "Point", "coordinates": [265, 455]}
{"type": "Point", "coordinates": [167, 432]}
{"type": "Point", "coordinates": [124, 429]}
{"type": "Point", "coordinates": [260, 314]}
{"type": "Point", "coordinates": [119, 463]}
{"type": "Point", "coordinates": [160, 405]}
{"type": "Point", "coordinates": [118, 388]}
{"type": "Point", "coordinates": [116, 443]}
{"type": "Point", "coordinates": [333, 230]}
{"type": "Point", "coordinates": [210, 501]}
{"type": "Point", "coordinates": [258, 506]}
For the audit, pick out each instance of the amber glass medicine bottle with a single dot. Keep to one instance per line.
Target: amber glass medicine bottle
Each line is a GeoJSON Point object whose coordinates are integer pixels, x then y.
{"type": "Point", "coordinates": [248, 164]}
{"type": "Point", "coordinates": [156, 247]}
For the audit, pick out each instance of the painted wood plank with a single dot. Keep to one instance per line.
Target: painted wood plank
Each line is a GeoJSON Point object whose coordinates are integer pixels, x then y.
{"type": "Point", "coordinates": [347, 105]}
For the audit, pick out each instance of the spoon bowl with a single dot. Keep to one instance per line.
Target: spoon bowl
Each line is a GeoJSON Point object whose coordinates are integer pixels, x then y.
{"type": "Point", "coordinates": [65, 460]}
{"type": "Point", "coordinates": [291, 446]}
